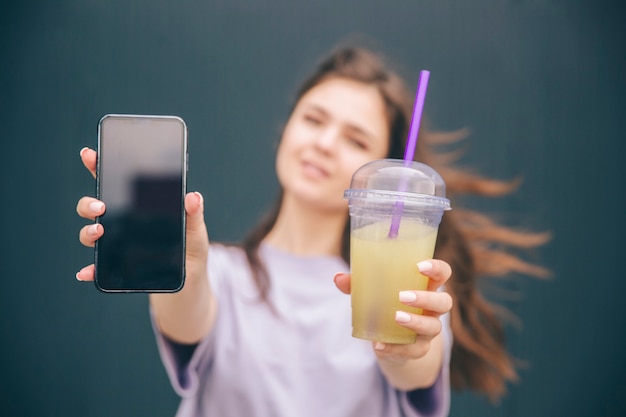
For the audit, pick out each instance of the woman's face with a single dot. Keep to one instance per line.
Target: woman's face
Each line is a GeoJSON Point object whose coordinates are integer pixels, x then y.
{"type": "Point", "coordinates": [336, 127]}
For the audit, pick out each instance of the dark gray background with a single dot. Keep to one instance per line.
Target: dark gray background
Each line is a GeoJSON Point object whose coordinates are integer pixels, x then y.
{"type": "Point", "coordinates": [539, 83]}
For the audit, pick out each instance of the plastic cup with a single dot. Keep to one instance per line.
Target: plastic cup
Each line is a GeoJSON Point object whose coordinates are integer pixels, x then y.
{"type": "Point", "coordinates": [411, 197]}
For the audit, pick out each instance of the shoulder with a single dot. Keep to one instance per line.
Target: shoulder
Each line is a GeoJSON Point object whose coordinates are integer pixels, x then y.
{"type": "Point", "coordinates": [227, 264]}
{"type": "Point", "coordinates": [221, 252]}
{"type": "Point", "coordinates": [227, 259]}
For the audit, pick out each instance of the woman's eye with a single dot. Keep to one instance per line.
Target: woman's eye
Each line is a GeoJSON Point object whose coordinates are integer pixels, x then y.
{"type": "Point", "coordinates": [359, 143]}
{"type": "Point", "coordinates": [314, 120]}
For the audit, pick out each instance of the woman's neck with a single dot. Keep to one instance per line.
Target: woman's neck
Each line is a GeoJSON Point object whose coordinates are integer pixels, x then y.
{"type": "Point", "coordinates": [305, 230]}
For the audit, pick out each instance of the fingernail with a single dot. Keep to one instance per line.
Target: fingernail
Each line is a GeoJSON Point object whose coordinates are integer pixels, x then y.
{"type": "Point", "coordinates": [82, 151]}
{"type": "Point", "coordinates": [424, 266]}
{"type": "Point", "coordinates": [96, 206]}
{"type": "Point", "coordinates": [78, 277]}
{"type": "Point", "coordinates": [336, 276]}
{"type": "Point", "coordinates": [200, 198]}
{"type": "Point", "coordinates": [402, 317]}
{"type": "Point", "coordinates": [407, 296]}
{"type": "Point", "coordinates": [93, 229]}
{"type": "Point", "coordinates": [379, 346]}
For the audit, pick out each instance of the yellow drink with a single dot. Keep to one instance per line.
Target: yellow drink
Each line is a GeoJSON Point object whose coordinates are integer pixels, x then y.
{"type": "Point", "coordinates": [381, 268]}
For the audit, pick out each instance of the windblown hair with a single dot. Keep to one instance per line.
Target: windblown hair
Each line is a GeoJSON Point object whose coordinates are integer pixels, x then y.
{"type": "Point", "coordinates": [475, 246]}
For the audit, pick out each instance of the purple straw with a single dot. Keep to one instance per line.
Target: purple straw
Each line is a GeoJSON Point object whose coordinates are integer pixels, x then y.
{"type": "Point", "coordinates": [409, 151]}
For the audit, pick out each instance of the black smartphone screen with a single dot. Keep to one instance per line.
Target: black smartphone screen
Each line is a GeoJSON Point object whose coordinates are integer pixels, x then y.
{"type": "Point", "coordinates": [141, 177]}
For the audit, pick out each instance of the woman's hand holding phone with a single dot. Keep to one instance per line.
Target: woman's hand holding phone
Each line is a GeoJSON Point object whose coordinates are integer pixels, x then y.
{"type": "Point", "coordinates": [197, 241]}
{"type": "Point", "coordinates": [188, 315]}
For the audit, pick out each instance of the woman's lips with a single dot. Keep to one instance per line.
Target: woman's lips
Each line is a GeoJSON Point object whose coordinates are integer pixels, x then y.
{"type": "Point", "coordinates": [313, 170]}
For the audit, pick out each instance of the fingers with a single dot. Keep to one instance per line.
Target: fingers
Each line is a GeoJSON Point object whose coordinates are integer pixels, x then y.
{"type": "Point", "coordinates": [433, 305]}
{"type": "Point", "coordinates": [425, 326]}
{"type": "Point", "coordinates": [86, 274]}
{"type": "Point", "coordinates": [89, 158]}
{"type": "Point", "coordinates": [342, 281]}
{"type": "Point", "coordinates": [90, 208]}
{"type": "Point", "coordinates": [437, 270]}
{"type": "Point", "coordinates": [90, 233]}
{"type": "Point", "coordinates": [437, 302]}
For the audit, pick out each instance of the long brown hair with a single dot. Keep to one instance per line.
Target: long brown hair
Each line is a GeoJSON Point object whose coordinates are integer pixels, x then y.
{"type": "Point", "coordinates": [470, 242]}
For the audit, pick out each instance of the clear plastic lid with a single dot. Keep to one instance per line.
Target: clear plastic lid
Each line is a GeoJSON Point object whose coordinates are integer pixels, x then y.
{"type": "Point", "coordinates": [397, 180]}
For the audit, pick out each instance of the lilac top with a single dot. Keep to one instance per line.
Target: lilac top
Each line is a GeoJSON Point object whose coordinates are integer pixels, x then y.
{"type": "Point", "coordinates": [302, 362]}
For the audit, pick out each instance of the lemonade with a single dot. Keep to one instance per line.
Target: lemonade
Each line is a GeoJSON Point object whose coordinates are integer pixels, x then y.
{"type": "Point", "coordinates": [381, 268]}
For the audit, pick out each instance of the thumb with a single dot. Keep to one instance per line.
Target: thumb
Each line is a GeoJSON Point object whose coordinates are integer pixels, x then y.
{"type": "Point", "coordinates": [342, 281]}
{"type": "Point", "coordinates": [197, 243]}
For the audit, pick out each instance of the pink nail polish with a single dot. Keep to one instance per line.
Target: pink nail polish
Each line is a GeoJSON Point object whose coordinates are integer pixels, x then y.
{"type": "Point", "coordinates": [424, 266]}
{"type": "Point", "coordinates": [402, 317]}
{"type": "Point", "coordinates": [96, 206]}
{"type": "Point", "coordinates": [407, 296]}
{"type": "Point", "coordinates": [200, 198]}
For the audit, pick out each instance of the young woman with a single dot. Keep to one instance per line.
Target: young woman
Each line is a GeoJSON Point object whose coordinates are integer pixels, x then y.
{"type": "Point", "coordinates": [262, 331]}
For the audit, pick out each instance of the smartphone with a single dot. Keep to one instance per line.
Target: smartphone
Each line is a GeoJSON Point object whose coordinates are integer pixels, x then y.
{"type": "Point", "coordinates": [142, 179]}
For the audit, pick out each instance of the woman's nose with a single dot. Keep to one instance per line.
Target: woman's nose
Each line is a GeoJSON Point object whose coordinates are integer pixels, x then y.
{"type": "Point", "coordinates": [326, 139]}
